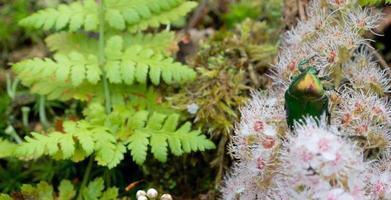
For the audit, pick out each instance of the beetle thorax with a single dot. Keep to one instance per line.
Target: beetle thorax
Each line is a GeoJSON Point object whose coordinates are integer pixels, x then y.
{"type": "Point", "coordinates": [307, 84]}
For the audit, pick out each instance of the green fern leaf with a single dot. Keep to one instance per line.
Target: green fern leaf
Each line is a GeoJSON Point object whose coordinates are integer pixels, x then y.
{"type": "Point", "coordinates": [159, 147]}
{"type": "Point", "coordinates": [142, 14]}
{"type": "Point", "coordinates": [138, 146]}
{"type": "Point", "coordinates": [138, 15]}
{"type": "Point", "coordinates": [42, 191]}
{"type": "Point", "coordinates": [159, 131]}
{"type": "Point", "coordinates": [373, 2]}
{"type": "Point", "coordinates": [74, 15]}
{"type": "Point", "coordinates": [127, 69]}
{"type": "Point", "coordinates": [80, 140]}
{"type": "Point", "coordinates": [115, 19]}
{"type": "Point", "coordinates": [72, 67]}
{"type": "Point", "coordinates": [94, 190]}
{"type": "Point", "coordinates": [113, 71]}
{"type": "Point", "coordinates": [67, 146]}
{"type": "Point", "coordinates": [110, 194]}
{"type": "Point", "coordinates": [66, 190]}
{"type": "Point", "coordinates": [143, 63]}
{"type": "Point", "coordinates": [5, 197]}
{"type": "Point", "coordinates": [93, 72]}
{"type": "Point", "coordinates": [51, 77]}
{"type": "Point", "coordinates": [141, 73]}
{"type": "Point", "coordinates": [78, 74]}
{"type": "Point", "coordinates": [109, 153]}
{"type": "Point", "coordinates": [82, 134]}
{"type": "Point", "coordinates": [162, 43]}
{"type": "Point", "coordinates": [65, 43]}
{"type": "Point", "coordinates": [113, 48]}
{"type": "Point", "coordinates": [34, 147]}
{"type": "Point", "coordinates": [174, 142]}
{"type": "Point", "coordinates": [170, 11]}
{"type": "Point", "coordinates": [7, 148]}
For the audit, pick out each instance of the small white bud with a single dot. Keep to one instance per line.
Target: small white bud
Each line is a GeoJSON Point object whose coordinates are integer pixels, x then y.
{"type": "Point", "coordinates": [152, 193]}
{"type": "Point", "coordinates": [166, 197]}
{"type": "Point", "coordinates": [142, 198]}
{"type": "Point", "coordinates": [140, 193]}
{"type": "Point", "coordinates": [192, 108]}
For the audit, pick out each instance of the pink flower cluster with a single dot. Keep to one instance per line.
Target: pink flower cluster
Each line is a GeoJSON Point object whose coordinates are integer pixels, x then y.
{"type": "Point", "coordinates": [348, 159]}
{"type": "Point", "coordinates": [316, 163]}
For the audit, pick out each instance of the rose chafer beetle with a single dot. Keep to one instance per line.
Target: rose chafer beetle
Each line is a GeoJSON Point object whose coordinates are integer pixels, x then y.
{"type": "Point", "coordinates": [305, 96]}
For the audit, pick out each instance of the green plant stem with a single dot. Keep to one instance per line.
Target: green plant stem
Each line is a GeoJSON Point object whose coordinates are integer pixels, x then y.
{"type": "Point", "coordinates": [25, 116]}
{"type": "Point", "coordinates": [102, 55]}
{"type": "Point", "coordinates": [86, 177]}
{"type": "Point", "coordinates": [11, 86]}
{"type": "Point", "coordinates": [106, 87]}
{"type": "Point", "coordinates": [11, 131]}
{"type": "Point", "coordinates": [42, 112]}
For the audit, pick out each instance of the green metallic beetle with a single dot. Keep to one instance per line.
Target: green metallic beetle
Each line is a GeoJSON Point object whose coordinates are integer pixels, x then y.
{"type": "Point", "coordinates": [305, 96]}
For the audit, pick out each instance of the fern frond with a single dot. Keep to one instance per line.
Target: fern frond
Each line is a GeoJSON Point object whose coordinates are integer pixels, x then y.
{"type": "Point", "coordinates": [6, 148]}
{"type": "Point", "coordinates": [66, 191]}
{"type": "Point", "coordinates": [110, 194]}
{"type": "Point", "coordinates": [149, 99]}
{"type": "Point", "coordinates": [170, 11]}
{"type": "Point", "coordinates": [109, 152]}
{"type": "Point", "coordinates": [138, 15]}
{"type": "Point", "coordinates": [94, 189]}
{"type": "Point", "coordinates": [160, 132]}
{"type": "Point", "coordinates": [64, 77]}
{"type": "Point", "coordinates": [79, 140]}
{"type": "Point", "coordinates": [5, 197]}
{"type": "Point", "coordinates": [73, 16]}
{"type": "Point", "coordinates": [136, 64]}
{"type": "Point", "coordinates": [162, 43]}
{"type": "Point", "coordinates": [74, 68]}
{"type": "Point", "coordinates": [71, 74]}
{"type": "Point", "coordinates": [140, 128]}
{"type": "Point", "coordinates": [373, 2]}
{"type": "Point", "coordinates": [65, 43]}
{"type": "Point", "coordinates": [130, 126]}
{"type": "Point", "coordinates": [41, 191]}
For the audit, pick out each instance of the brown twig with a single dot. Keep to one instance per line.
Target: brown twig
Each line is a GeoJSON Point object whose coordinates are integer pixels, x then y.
{"type": "Point", "coordinates": [198, 15]}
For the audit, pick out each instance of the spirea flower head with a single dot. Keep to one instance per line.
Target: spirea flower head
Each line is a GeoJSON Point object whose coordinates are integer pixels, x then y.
{"type": "Point", "coordinates": [368, 77]}
{"type": "Point", "coordinates": [323, 36]}
{"type": "Point", "coordinates": [364, 19]}
{"type": "Point", "coordinates": [364, 115]}
{"type": "Point", "coordinates": [317, 162]}
{"type": "Point", "coordinates": [263, 120]}
{"type": "Point", "coordinates": [254, 147]}
{"type": "Point", "coordinates": [380, 180]}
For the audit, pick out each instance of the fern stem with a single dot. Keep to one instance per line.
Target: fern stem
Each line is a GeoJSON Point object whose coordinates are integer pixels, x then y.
{"type": "Point", "coordinates": [86, 177]}
{"type": "Point", "coordinates": [11, 132]}
{"type": "Point", "coordinates": [42, 112]}
{"type": "Point", "coordinates": [102, 55]}
{"type": "Point", "coordinates": [25, 117]}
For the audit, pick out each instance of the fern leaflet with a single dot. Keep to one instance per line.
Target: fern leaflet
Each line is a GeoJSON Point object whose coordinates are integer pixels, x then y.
{"type": "Point", "coordinates": [66, 191]}
{"type": "Point", "coordinates": [6, 148]}
{"type": "Point", "coordinates": [79, 140]}
{"type": "Point", "coordinates": [136, 14]}
{"type": "Point", "coordinates": [136, 64]}
{"type": "Point", "coordinates": [160, 132]}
